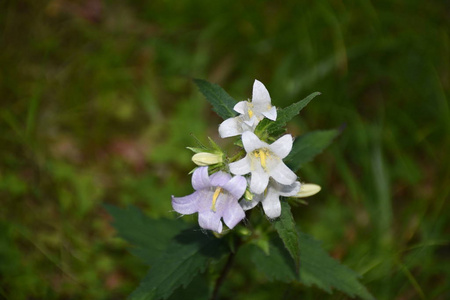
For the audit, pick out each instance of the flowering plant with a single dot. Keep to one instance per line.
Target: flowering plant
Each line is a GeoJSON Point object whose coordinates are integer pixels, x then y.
{"type": "Point", "coordinates": [226, 190]}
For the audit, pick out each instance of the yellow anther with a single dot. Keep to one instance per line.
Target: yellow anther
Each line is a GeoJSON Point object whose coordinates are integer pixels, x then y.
{"type": "Point", "coordinates": [215, 196]}
{"type": "Point", "coordinates": [263, 155]}
{"type": "Point", "coordinates": [250, 113]}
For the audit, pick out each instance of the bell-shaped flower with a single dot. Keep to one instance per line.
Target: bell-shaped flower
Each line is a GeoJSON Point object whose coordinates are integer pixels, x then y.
{"type": "Point", "coordinates": [264, 161]}
{"type": "Point", "coordinates": [251, 113]}
{"type": "Point", "coordinates": [270, 199]}
{"type": "Point", "coordinates": [216, 197]}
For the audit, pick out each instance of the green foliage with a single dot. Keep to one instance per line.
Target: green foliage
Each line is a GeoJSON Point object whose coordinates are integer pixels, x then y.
{"type": "Point", "coordinates": [176, 254]}
{"type": "Point", "coordinates": [287, 230]}
{"type": "Point", "coordinates": [105, 92]}
{"type": "Point", "coordinates": [307, 146]}
{"type": "Point", "coordinates": [187, 255]}
{"type": "Point", "coordinates": [316, 267]}
{"type": "Point", "coordinates": [220, 100]}
{"type": "Point", "coordinates": [149, 237]}
{"type": "Point", "coordinates": [284, 115]}
{"type": "Point", "coordinates": [277, 264]}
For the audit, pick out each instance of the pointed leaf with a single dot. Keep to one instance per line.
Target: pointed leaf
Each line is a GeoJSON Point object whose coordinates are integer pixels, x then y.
{"type": "Point", "coordinates": [285, 226]}
{"type": "Point", "coordinates": [317, 267]}
{"type": "Point", "coordinates": [149, 237]}
{"type": "Point", "coordinates": [277, 264]}
{"type": "Point", "coordinates": [220, 100]}
{"type": "Point", "coordinates": [283, 116]}
{"type": "Point", "coordinates": [307, 146]}
{"type": "Point", "coordinates": [187, 255]}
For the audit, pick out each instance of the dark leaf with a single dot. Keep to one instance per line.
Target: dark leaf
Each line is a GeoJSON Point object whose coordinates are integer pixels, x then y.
{"type": "Point", "coordinates": [220, 100]}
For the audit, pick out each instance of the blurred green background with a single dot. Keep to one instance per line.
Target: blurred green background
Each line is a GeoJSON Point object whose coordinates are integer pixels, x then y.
{"type": "Point", "coordinates": [98, 106]}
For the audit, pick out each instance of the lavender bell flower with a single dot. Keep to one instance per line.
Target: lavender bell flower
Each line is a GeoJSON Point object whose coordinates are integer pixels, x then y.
{"type": "Point", "coordinates": [216, 197]}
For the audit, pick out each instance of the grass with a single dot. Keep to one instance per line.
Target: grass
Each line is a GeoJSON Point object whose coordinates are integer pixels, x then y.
{"type": "Point", "coordinates": [97, 106]}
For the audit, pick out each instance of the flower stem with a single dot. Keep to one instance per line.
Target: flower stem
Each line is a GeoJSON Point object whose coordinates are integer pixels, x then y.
{"type": "Point", "coordinates": [223, 274]}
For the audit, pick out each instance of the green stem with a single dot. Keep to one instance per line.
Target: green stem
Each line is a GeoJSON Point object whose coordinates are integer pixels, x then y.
{"type": "Point", "coordinates": [226, 269]}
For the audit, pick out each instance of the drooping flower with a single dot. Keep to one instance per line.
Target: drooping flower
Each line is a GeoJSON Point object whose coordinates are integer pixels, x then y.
{"type": "Point", "coordinates": [270, 199]}
{"type": "Point", "coordinates": [251, 113]}
{"type": "Point", "coordinates": [216, 197]}
{"type": "Point", "coordinates": [264, 161]}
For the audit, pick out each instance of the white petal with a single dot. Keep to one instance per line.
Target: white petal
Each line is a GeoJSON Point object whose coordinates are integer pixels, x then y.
{"type": "Point", "coordinates": [271, 204]}
{"type": "Point", "coordinates": [282, 174]}
{"type": "Point", "coordinates": [252, 122]}
{"type": "Point", "coordinates": [286, 190]}
{"type": "Point", "coordinates": [260, 94]}
{"type": "Point", "coordinates": [271, 114]}
{"type": "Point", "coordinates": [252, 142]}
{"type": "Point", "coordinates": [246, 204]}
{"type": "Point", "coordinates": [230, 127]}
{"type": "Point", "coordinates": [259, 182]}
{"type": "Point", "coordinates": [241, 107]}
{"type": "Point", "coordinates": [308, 189]}
{"type": "Point", "coordinates": [240, 167]}
{"type": "Point", "coordinates": [282, 146]}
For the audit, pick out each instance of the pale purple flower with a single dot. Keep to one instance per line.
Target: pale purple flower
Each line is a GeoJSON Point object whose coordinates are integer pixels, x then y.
{"type": "Point", "coordinates": [264, 161]}
{"type": "Point", "coordinates": [251, 113]}
{"type": "Point", "coordinates": [270, 199]}
{"type": "Point", "coordinates": [216, 197]}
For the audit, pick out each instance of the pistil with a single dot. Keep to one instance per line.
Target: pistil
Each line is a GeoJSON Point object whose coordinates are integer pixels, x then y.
{"type": "Point", "coordinates": [216, 195]}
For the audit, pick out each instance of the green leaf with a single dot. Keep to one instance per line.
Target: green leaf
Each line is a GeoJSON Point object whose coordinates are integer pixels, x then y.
{"type": "Point", "coordinates": [277, 264]}
{"type": "Point", "coordinates": [317, 267]}
{"type": "Point", "coordinates": [198, 289]}
{"type": "Point", "coordinates": [283, 116]}
{"type": "Point", "coordinates": [149, 237]}
{"type": "Point", "coordinates": [285, 226]}
{"type": "Point", "coordinates": [307, 146]}
{"type": "Point", "coordinates": [187, 255]}
{"type": "Point", "coordinates": [220, 100]}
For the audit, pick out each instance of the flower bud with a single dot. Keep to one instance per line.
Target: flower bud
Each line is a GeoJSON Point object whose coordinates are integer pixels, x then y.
{"type": "Point", "coordinates": [248, 195]}
{"type": "Point", "coordinates": [206, 158]}
{"type": "Point", "coordinates": [308, 189]}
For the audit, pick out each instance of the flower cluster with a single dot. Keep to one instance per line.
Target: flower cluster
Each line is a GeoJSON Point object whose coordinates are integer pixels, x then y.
{"type": "Point", "coordinates": [260, 175]}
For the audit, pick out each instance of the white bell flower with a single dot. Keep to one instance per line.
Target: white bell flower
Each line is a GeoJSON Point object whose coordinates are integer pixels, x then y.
{"type": "Point", "coordinates": [270, 199]}
{"type": "Point", "coordinates": [251, 113]}
{"type": "Point", "coordinates": [264, 161]}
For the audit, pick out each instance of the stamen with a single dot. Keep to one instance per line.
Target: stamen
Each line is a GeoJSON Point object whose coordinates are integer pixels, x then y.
{"type": "Point", "coordinates": [262, 155]}
{"type": "Point", "coordinates": [215, 196]}
{"type": "Point", "coordinates": [250, 113]}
